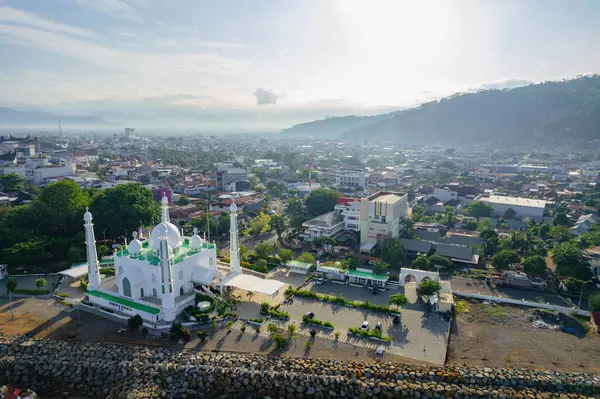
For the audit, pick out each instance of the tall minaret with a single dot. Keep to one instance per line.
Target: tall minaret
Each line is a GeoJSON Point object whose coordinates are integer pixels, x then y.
{"type": "Point", "coordinates": [234, 249]}
{"type": "Point", "coordinates": [165, 209]}
{"type": "Point", "coordinates": [92, 256]}
{"type": "Point", "coordinates": [168, 296]}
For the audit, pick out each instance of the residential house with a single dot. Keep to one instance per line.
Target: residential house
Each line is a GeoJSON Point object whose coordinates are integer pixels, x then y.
{"type": "Point", "coordinates": [350, 210]}
{"type": "Point", "coordinates": [326, 225]}
{"type": "Point", "coordinates": [584, 224]}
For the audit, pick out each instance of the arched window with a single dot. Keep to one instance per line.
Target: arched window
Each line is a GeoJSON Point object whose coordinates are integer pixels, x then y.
{"type": "Point", "coordinates": [154, 278]}
{"type": "Point", "coordinates": [210, 261]}
{"type": "Point", "coordinates": [181, 274]}
{"type": "Point", "coordinates": [142, 292]}
{"type": "Point", "coordinates": [121, 270]}
{"type": "Point", "coordinates": [181, 291]}
{"type": "Point", "coordinates": [126, 287]}
{"type": "Point", "coordinates": [154, 293]}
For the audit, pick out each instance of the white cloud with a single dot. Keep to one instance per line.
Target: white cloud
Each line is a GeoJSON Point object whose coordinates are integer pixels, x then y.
{"type": "Point", "coordinates": [12, 16]}
{"type": "Point", "coordinates": [265, 97]}
{"type": "Point", "coordinates": [114, 8]}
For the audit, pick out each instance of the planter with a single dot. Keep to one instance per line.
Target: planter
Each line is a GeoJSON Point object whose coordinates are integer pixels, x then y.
{"type": "Point", "coordinates": [254, 323]}
{"type": "Point", "coordinates": [318, 326]}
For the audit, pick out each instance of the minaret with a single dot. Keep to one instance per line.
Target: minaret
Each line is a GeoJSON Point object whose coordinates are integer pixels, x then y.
{"type": "Point", "coordinates": [165, 209]}
{"type": "Point", "coordinates": [92, 256]}
{"type": "Point", "coordinates": [168, 296]}
{"type": "Point", "coordinates": [234, 249]}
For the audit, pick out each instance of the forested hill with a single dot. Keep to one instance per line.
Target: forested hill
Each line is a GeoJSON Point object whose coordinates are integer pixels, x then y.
{"type": "Point", "coordinates": [568, 109]}
{"type": "Point", "coordinates": [334, 126]}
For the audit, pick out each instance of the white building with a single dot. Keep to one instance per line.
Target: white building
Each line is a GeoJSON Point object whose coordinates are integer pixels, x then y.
{"type": "Point", "coordinates": [326, 225]}
{"type": "Point", "coordinates": [380, 216]}
{"type": "Point", "coordinates": [444, 194]}
{"type": "Point", "coordinates": [230, 178]}
{"type": "Point", "coordinates": [156, 278]}
{"type": "Point", "coordinates": [524, 207]}
{"type": "Point", "coordinates": [350, 210]}
{"type": "Point", "coordinates": [351, 179]}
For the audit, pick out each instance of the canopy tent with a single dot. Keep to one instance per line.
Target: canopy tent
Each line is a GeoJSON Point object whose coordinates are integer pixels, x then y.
{"type": "Point", "coordinates": [76, 272]}
{"type": "Point", "coordinates": [248, 282]}
{"type": "Point", "coordinates": [367, 247]}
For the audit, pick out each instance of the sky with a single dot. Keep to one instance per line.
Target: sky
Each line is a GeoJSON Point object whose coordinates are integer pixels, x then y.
{"type": "Point", "coordinates": [268, 64]}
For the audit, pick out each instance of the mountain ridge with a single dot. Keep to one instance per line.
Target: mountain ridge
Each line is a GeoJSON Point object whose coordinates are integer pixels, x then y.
{"type": "Point", "coordinates": [12, 118]}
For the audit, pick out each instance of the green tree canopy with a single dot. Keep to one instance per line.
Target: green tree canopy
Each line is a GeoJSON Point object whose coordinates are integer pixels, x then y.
{"type": "Point", "coordinates": [135, 322]}
{"type": "Point", "coordinates": [421, 262]}
{"type": "Point", "coordinates": [285, 255]}
{"type": "Point", "coordinates": [263, 250]}
{"type": "Point", "coordinates": [480, 209]}
{"type": "Point", "coordinates": [503, 259]}
{"type": "Point", "coordinates": [560, 233]}
{"type": "Point", "coordinates": [381, 267]}
{"type": "Point", "coordinates": [595, 302]}
{"type": "Point", "coordinates": [183, 200]}
{"type": "Point", "coordinates": [260, 224]}
{"type": "Point", "coordinates": [544, 231]}
{"type": "Point", "coordinates": [398, 300]}
{"type": "Point", "coordinates": [535, 264]}
{"type": "Point", "coordinates": [277, 223]}
{"type": "Point", "coordinates": [574, 285]}
{"type": "Point", "coordinates": [122, 209]}
{"type": "Point", "coordinates": [353, 263]}
{"type": "Point", "coordinates": [321, 201]}
{"type": "Point", "coordinates": [570, 262]}
{"type": "Point", "coordinates": [429, 287]}
{"type": "Point", "coordinates": [392, 251]}
{"type": "Point", "coordinates": [40, 282]}
{"type": "Point", "coordinates": [11, 182]}
{"type": "Point", "coordinates": [306, 257]}
{"type": "Point", "coordinates": [11, 284]}
{"type": "Point", "coordinates": [438, 260]}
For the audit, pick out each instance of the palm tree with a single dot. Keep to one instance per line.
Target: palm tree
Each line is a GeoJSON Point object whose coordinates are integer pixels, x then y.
{"type": "Point", "coordinates": [11, 286]}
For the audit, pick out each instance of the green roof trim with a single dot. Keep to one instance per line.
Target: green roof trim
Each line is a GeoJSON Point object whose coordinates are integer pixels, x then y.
{"type": "Point", "coordinates": [298, 264]}
{"type": "Point", "coordinates": [125, 302]}
{"type": "Point", "coordinates": [102, 262]}
{"type": "Point", "coordinates": [179, 253]}
{"type": "Point", "coordinates": [371, 276]}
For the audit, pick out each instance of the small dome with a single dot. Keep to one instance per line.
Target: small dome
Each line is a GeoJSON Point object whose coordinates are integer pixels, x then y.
{"type": "Point", "coordinates": [168, 229]}
{"type": "Point", "coordinates": [135, 247]}
{"type": "Point", "coordinates": [195, 241]}
{"type": "Point", "coordinates": [233, 207]}
{"type": "Point", "coordinates": [87, 216]}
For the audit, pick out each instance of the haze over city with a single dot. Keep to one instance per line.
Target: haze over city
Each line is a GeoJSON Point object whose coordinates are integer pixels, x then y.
{"type": "Point", "coordinates": [266, 65]}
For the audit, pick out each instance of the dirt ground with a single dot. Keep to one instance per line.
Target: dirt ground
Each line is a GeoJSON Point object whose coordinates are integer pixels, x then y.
{"type": "Point", "coordinates": [504, 336]}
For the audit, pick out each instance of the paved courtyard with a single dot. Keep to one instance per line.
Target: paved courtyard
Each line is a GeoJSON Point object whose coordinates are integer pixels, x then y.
{"type": "Point", "coordinates": [420, 335]}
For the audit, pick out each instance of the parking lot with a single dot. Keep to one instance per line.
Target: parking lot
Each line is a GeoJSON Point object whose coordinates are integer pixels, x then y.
{"type": "Point", "coordinates": [420, 335]}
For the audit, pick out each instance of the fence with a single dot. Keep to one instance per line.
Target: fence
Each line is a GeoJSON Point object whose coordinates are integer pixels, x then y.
{"type": "Point", "coordinates": [522, 303]}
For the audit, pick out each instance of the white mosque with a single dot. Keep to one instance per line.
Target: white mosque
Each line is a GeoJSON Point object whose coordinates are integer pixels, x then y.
{"type": "Point", "coordinates": [158, 278]}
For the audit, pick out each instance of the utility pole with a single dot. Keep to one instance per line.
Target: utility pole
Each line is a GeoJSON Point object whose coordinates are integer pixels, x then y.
{"type": "Point", "coordinates": [581, 294]}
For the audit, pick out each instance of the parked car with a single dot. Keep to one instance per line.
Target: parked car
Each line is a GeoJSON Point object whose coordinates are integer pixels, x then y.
{"type": "Point", "coordinates": [310, 315]}
{"type": "Point", "coordinates": [320, 281]}
{"type": "Point", "coordinates": [372, 262]}
{"type": "Point", "coordinates": [365, 326]}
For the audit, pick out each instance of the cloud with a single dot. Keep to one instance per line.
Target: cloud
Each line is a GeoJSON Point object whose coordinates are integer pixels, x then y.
{"type": "Point", "coordinates": [510, 83]}
{"type": "Point", "coordinates": [265, 97]}
{"type": "Point", "coordinates": [17, 17]}
{"type": "Point", "coordinates": [114, 8]}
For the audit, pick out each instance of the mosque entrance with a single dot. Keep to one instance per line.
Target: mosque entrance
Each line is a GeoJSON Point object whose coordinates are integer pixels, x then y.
{"type": "Point", "coordinates": [126, 287]}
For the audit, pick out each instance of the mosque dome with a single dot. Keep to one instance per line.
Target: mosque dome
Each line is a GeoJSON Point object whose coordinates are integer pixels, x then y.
{"type": "Point", "coordinates": [195, 240]}
{"type": "Point", "coordinates": [135, 247]}
{"type": "Point", "coordinates": [87, 216]}
{"type": "Point", "coordinates": [170, 230]}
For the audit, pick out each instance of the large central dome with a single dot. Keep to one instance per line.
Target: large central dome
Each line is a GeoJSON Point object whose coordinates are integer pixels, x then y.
{"type": "Point", "coordinates": [172, 233]}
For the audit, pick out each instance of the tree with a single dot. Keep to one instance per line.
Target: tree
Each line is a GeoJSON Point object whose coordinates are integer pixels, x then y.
{"type": "Point", "coordinates": [484, 224]}
{"type": "Point", "coordinates": [224, 224]}
{"type": "Point", "coordinates": [353, 263]}
{"type": "Point", "coordinates": [438, 260]}
{"type": "Point", "coordinates": [183, 200]}
{"type": "Point", "coordinates": [560, 233]}
{"type": "Point", "coordinates": [535, 264]}
{"type": "Point", "coordinates": [263, 250]}
{"type": "Point", "coordinates": [76, 254]}
{"type": "Point", "coordinates": [480, 209]}
{"type": "Point", "coordinates": [503, 259]}
{"type": "Point", "coordinates": [40, 282]}
{"type": "Point", "coordinates": [429, 287]}
{"type": "Point", "coordinates": [277, 223]}
{"type": "Point", "coordinates": [135, 322]}
{"type": "Point", "coordinates": [11, 182]}
{"type": "Point", "coordinates": [510, 213]}
{"type": "Point", "coordinates": [285, 255]}
{"type": "Point", "coordinates": [306, 257]}
{"type": "Point", "coordinates": [595, 302]}
{"type": "Point", "coordinates": [421, 262]}
{"type": "Point", "coordinates": [471, 225]}
{"type": "Point", "coordinates": [123, 208]}
{"type": "Point", "coordinates": [449, 218]}
{"type": "Point", "coordinates": [560, 219]}
{"type": "Point", "coordinates": [398, 300]}
{"type": "Point", "coordinates": [381, 267]}
{"type": "Point", "coordinates": [574, 285]}
{"type": "Point", "coordinates": [291, 329]}
{"type": "Point", "coordinates": [570, 262]}
{"type": "Point", "coordinates": [406, 228]}
{"type": "Point", "coordinates": [11, 286]}
{"type": "Point", "coordinates": [320, 201]}
{"type": "Point", "coordinates": [392, 251]}
{"type": "Point", "coordinates": [243, 251]}
{"type": "Point", "coordinates": [295, 207]}
{"type": "Point", "coordinates": [544, 231]}
{"type": "Point", "coordinates": [260, 224]}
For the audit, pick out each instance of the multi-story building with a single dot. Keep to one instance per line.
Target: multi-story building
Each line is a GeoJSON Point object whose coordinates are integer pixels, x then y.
{"type": "Point", "coordinates": [326, 225]}
{"type": "Point", "coordinates": [380, 216]}
{"type": "Point", "coordinates": [524, 207]}
{"type": "Point", "coordinates": [230, 178]}
{"type": "Point", "coordinates": [350, 210]}
{"type": "Point", "coordinates": [351, 179]}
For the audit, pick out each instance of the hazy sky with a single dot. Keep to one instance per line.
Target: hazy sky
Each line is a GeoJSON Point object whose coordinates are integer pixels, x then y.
{"type": "Point", "coordinates": [292, 56]}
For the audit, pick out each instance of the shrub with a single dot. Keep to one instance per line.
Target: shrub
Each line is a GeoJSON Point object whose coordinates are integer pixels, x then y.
{"type": "Point", "coordinates": [62, 294]}
{"type": "Point", "coordinates": [370, 333]}
{"type": "Point", "coordinates": [202, 335]}
{"type": "Point", "coordinates": [316, 322]}
{"type": "Point", "coordinates": [272, 328]}
{"type": "Point", "coordinates": [84, 282]}
{"type": "Point", "coordinates": [135, 322]}
{"type": "Point", "coordinates": [279, 315]}
{"type": "Point", "coordinates": [229, 314]}
{"type": "Point", "coordinates": [65, 303]}
{"type": "Point", "coordinates": [280, 341]}
{"type": "Point", "coordinates": [289, 290]}
{"type": "Point", "coordinates": [260, 321]}
{"type": "Point", "coordinates": [186, 335]}
{"type": "Point", "coordinates": [264, 308]}
{"type": "Point", "coordinates": [228, 326]}
{"type": "Point", "coordinates": [342, 301]}
{"type": "Point", "coordinates": [107, 271]}
{"type": "Point", "coordinates": [337, 335]}
{"type": "Point", "coordinates": [202, 317]}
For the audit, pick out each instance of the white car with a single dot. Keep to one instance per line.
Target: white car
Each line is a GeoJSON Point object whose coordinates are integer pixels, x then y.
{"type": "Point", "coordinates": [365, 326]}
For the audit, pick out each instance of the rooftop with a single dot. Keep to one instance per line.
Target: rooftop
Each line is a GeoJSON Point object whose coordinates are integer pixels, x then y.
{"type": "Point", "coordinates": [368, 275]}
{"type": "Point", "coordinates": [328, 219]}
{"type": "Point", "coordinates": [515, 201]}
{"type": "Point", "coordinates": [389, 197]}
{"type": "Point", "coordinates": [180, 253]}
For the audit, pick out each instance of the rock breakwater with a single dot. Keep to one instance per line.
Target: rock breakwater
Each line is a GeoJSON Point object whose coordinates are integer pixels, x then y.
{"type": "Point", "coordinates": [79, 369]}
